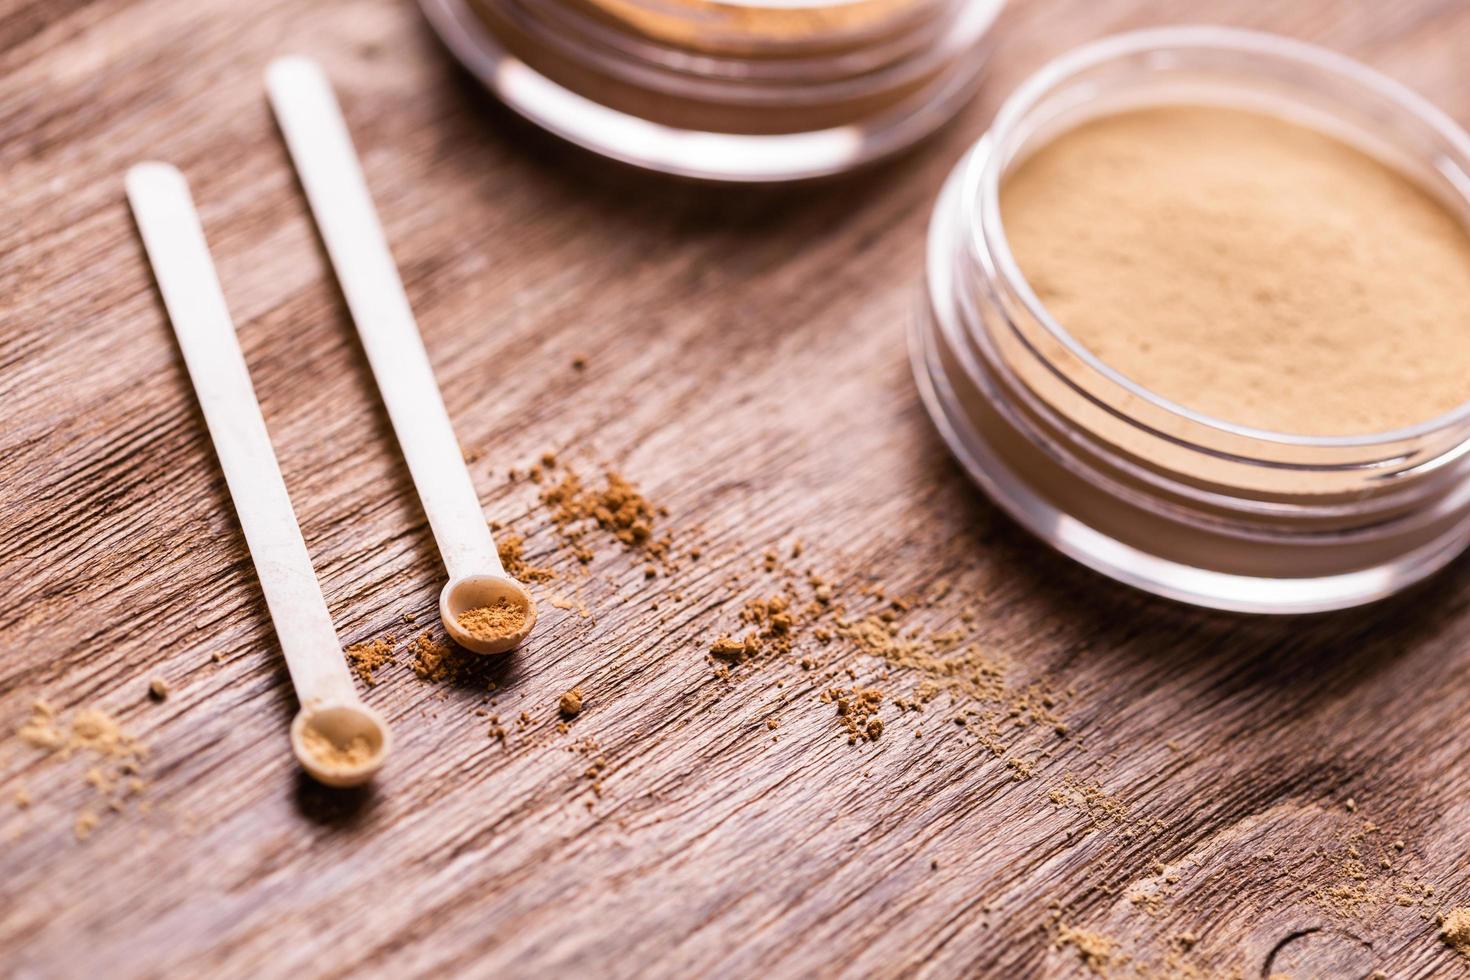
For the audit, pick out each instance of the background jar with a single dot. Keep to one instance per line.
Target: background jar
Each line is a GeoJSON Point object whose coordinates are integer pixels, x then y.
{"type": "Point", "coordinates": [733, 90]}
{"type": "Point", "coordinates": [1133, 485]}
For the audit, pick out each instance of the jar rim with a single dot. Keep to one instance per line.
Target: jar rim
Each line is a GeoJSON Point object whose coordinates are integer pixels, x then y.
{"type": "Point", "coordinates": [987, 235]}
{"type": "Point", "coordinates": [700, 153]}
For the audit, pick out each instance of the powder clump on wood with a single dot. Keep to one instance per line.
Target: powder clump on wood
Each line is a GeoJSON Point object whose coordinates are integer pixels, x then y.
{"type": "Point", "coordinates": [1454, 929]}
{"type": "Point", "coordinates": [365, 658]}
{"type": "Point", "coordinates": [115, 757]}
{"type": "Point", "coordinates": [433, 660]}
{"type": "Point", "coordinates": [616, 507]}
{"type": "Point", "coordinates": [90, 730]}
{"type": "Point", "coordinates": [857, 710]}
{"type": "Point", "coordinates": [1096, 951]}
{"type": "Point", "coordinates": [570, 703]}
{"type": "Point", "coordinates": [512, 548]}
{"type": "Point", "coordinates": [1249, 268]}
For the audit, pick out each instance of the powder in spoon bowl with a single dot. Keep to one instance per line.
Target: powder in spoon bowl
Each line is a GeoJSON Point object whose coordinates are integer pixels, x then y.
{"type": "Point", "coordinates": [1248, 268]}
{"type": "Point", "coordinates": [331, 756]}
{"type": "Point", "coordinates": [497, 621]}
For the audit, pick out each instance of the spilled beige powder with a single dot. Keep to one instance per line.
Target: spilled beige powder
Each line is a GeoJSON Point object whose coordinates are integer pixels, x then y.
{"type": "Point", "coordinates": [1454, 929]}
{"type": "Point", "coordinates": [365, 658]}
{"type": "Point", "coordinates": [114, 758]}
{"type": "Point", "coordinates": [1248, 268]}
{"type": "Point", "coordinates": [1096, 951]}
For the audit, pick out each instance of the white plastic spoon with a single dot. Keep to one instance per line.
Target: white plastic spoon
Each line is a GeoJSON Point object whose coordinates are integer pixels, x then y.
{"type": "Point", "coordinates": [326, 731]}
{"type": "Point", "coordinates": [321, 148]}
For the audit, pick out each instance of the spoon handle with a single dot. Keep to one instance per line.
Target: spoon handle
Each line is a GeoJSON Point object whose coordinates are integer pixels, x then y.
{"type": "Point", "coordinates": [327, 164]}
{"type": "Point", "coordinates": [186, 277]}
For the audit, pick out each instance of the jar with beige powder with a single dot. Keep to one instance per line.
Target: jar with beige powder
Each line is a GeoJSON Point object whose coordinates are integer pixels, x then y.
{"type": "Point", "coordinates": [729, 90]}
{"type": "Point", "coordinates": [1199, 317]}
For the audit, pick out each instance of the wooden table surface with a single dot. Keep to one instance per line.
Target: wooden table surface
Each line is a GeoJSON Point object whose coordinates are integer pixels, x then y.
{"type": "Point", "coordinates": [1177, 792]}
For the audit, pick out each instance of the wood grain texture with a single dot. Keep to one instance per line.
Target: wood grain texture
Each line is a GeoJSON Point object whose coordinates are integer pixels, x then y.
{"type": "Point", "coordinates": [747, 370]}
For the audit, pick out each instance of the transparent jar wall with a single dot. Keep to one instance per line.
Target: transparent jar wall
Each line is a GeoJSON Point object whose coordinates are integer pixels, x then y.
{"type": "Point", "coordinates": [756, 31]}
{"type": "Point", "coordinates": [674, 89]}
{"type": "Point", "coordinates": [1127, 483]}
{"type": "Point", "coordinates": [787, 112]}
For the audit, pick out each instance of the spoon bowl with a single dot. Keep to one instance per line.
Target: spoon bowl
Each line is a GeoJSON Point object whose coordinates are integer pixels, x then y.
{"type": "Point", "coordinates": [477, 592]}
{"type": "Point", "coordinates": [342, 744]}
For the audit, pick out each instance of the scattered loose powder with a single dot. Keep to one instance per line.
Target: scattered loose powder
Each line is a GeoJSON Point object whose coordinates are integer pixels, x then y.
{"type": "Point", "coordinates": [1094, 949]}
{"type": "Point", "coordinates": [1089, 799]}
{"type": "Point", "coordinates": [1454, 929]}
{"type": "Point", "coordinates": [433, 660]}
{"type": "Point", "coordinates": [333, 756]}
{"type": "Point", "coordinates": [1249, 268]}
{"type": "Point", "coordinates": [365, 658]}
{"type": "Point", "coordinates": [1364, 875]}
{"type": "Point", "coordinates": [116, 758]}
{"type": "Point", "coordinates": [512, 548]}
{"type": "Point", "coordinates": [616, 507]}
{"type": "Point", "coordinates": [857, 710]}
{"type": "Point", "coordinates": [91, 730]}
{"type": "Point", "coordinates": [86, 823]}
{"type": "Point", "coordinates": [497, 621]}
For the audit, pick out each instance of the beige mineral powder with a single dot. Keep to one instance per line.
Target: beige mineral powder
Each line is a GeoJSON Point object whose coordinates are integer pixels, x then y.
{"type": "Point", "coordinates": [496, 621]}
{"type": "Point", "coordinates": [696, 22]}
{"type": "Point", "coordinates": [337, 757]}
{"type": "Point", "coordinates": [1248, 268]}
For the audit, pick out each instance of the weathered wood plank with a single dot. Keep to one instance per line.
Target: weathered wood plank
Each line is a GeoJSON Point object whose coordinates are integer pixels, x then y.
{"type": "Point", "coordinates": [746, 368]}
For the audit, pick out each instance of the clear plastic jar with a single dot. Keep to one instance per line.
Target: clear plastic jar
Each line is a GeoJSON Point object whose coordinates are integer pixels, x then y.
{"type": "Point", "coordinates": [732, 90]}
{"type": "Point", "coordinates": [1142, 489]}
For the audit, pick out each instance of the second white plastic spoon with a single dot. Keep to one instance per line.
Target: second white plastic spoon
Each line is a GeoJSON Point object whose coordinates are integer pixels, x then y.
{"type": "Point", "coordinates": [327, 164]}
{"type": "Point", "coordinates": [337, 739]}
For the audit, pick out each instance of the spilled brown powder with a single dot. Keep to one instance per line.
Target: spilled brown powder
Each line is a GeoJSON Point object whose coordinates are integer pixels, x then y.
{"type": "Point", "coordinates": [365, 658]}
{"type": "Point", "coordinates": [433, 660]}
{"type": "Point", "coordinates": [85, 823]}
{"type": "Point", "coordinates": [857, 711]}
{"type": "Point", "coordinates": [1365, 873]}
{"type": "Point", "coordinates": [1088, 798]}
{"type": "Point", "coordinates": [115, 758]}
{"type": "Point", "coordinates": [570, 703]}
{"type": "Point", "coordinates": [1249, 268]}
{"type": "Point", "coordinates": [498, 621]}
{"type": "Point", "coordinates": [1454, 929]}
{"type": "Point", "coordinates": [616, 507]}
{"type": "Point", "coordinates": [512, 548]}
{"type": "Point", "coordinates": [906, 664]}
{"type": "Point", "coordinates": [90, 730]}
{"type": "Point", "coordinates": [1096, 951]}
